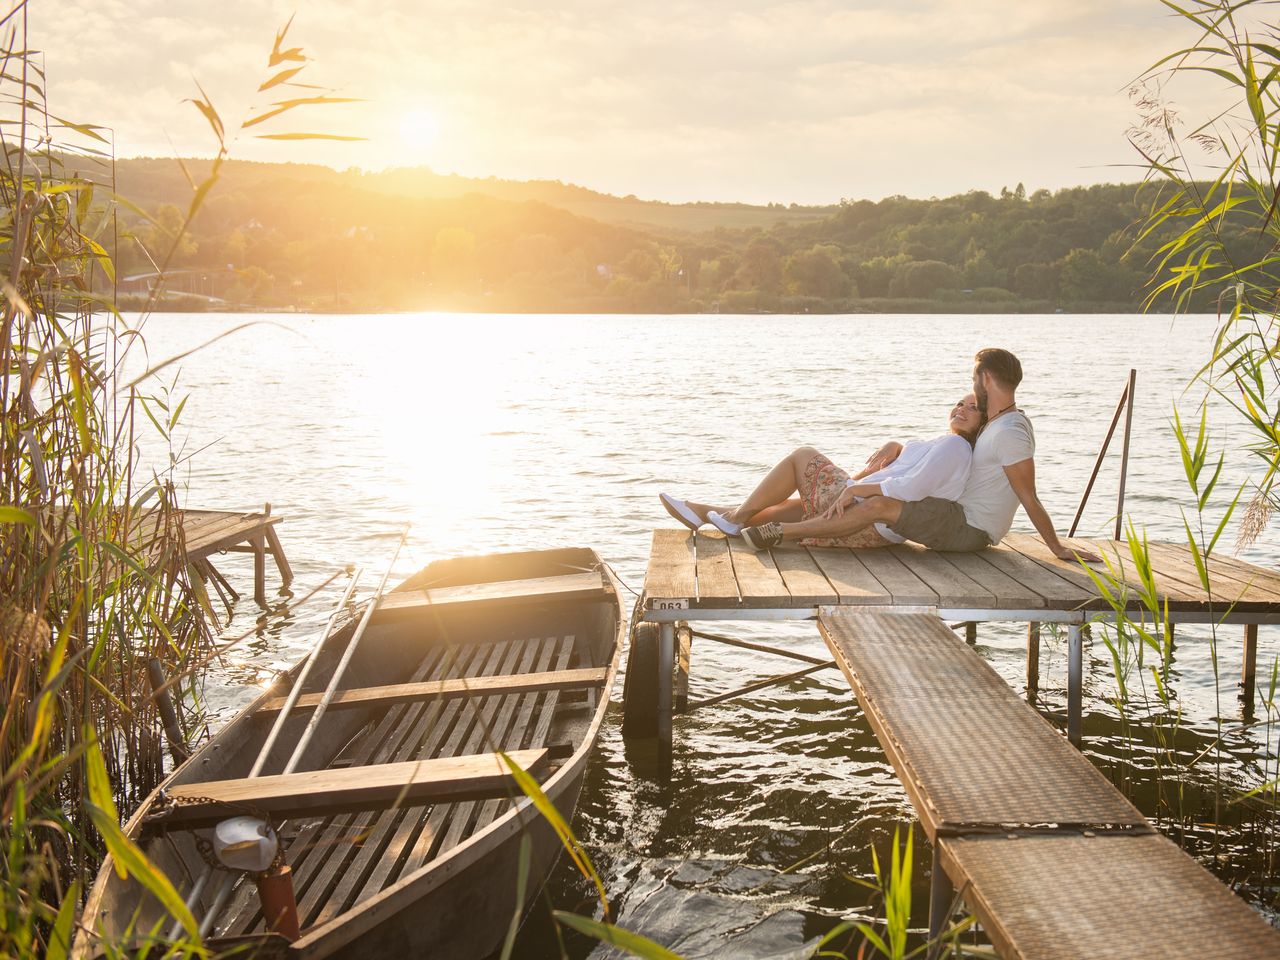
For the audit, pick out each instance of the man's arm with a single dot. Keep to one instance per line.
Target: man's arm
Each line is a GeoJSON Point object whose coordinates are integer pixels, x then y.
{"type": "Point", "coordinates": [1022, 477]}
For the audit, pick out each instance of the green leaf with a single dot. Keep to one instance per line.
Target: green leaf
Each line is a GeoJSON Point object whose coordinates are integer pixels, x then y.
{"type": "Point", "coordinates": [522, 878]}
{"type": "Point", "coordinates": [633, 943]}
{"type": "Point", "coordinates": [16, 515]}
{"type": "Point", "coordinates": [60, 935]}
{"type": "Point", "coordinates": [128, 857]}
{"type": "Point", "coordinates": [544, 806]}
{"type": "Point", "coordinates": [305, 136]}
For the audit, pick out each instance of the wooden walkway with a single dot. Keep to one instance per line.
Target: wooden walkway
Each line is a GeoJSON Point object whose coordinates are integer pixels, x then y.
{"type": "Point", "coordinates": [209, 532]}
{"type": "Point", "coordinates": [1044, 850]}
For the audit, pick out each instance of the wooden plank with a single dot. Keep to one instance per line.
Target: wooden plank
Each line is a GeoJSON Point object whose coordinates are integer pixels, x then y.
{"type": "Point", "coordinates": [1009, 594]}
{"type": "Point", "coordinates": [277, 553]}
{"type": "Point", "coordinates": [804, 579]}
{"type": "Point", "coordinates": [1118, 554]}
{"type": "Point", "coordinates": [954, 589]}
{"type": "Point", "coordinates": [903, 585]}
{"type": "Point", "coordinates": [717, 585]}
{"type": "Point", "coordinates": [853, 582]}
{"type": "Point", "coordinates": [1058, 592]}
{"type": "Point", "coordinates": [405, 604]}
{"type": "Point", "coordinates": [1228, 584]}
{"type": "Point", "coordinates": [1240, 570]}
{"type": "Point", "coordinates": [320, 792]}
{"type": "Point", "coordinates": [759, 582]}
{"type": "Point", "coordinates": [672, 571]}
{"type": "Point", "coordinates": [1034, 549]}
{"type": "Point", "coordinates": [446, 689]}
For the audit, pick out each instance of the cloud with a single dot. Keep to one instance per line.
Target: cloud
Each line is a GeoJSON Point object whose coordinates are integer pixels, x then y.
{"type": "Point", "coordinates": [807, 100]}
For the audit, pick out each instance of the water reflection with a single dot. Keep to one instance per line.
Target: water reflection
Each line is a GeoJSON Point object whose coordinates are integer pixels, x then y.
{"type": "Point", "coordinates": [504, 433]}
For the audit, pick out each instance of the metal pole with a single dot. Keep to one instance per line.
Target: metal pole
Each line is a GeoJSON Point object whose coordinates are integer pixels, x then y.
{"type": "Point", "coordinates": [1249, 668]}
{"type": "Point", "coordinates": [1124, 456]}
{"type": "Point", "coordinates": [298, 684]}
{"type": "Point", "coordinates": [1097, 464]}
{"type": "Point", "coordinates": [1075, 685]}
{"type": "Point", "coordinates": [666, 664]}
{"type": "Point", "coordinates": [341, 668]}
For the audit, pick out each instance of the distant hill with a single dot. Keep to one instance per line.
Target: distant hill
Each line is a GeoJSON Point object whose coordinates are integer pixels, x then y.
{"type": "Point", "coordinates": [310, 237]}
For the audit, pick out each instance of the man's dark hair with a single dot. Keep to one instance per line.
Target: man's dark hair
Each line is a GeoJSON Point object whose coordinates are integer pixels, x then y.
{"type": "Point", "coordinates": [1001, 364]}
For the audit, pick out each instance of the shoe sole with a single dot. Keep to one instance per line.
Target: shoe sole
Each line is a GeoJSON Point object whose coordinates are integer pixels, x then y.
{"type": "Point", "coordinates": [750, 540]}
{"type": "Point", "coordinates": [728, 528]}
{"type": "Point", "coordinates": [679, 511]}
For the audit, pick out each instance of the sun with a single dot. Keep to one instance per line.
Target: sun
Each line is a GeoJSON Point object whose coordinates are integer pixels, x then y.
{"type": "Point", "coordinates": [419, 128]}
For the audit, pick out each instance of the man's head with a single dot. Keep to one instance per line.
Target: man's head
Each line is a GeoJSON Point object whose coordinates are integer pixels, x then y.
{"type": "Point", "coordinates": [1001, 367]}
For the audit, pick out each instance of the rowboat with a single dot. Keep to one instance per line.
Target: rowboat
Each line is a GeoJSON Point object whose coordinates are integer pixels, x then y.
{"type": "Point", "coordinates": [399, 827]}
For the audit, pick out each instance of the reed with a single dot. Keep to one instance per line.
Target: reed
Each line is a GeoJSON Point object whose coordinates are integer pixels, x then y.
{"type": "Point", "coordinates": [96, 589]}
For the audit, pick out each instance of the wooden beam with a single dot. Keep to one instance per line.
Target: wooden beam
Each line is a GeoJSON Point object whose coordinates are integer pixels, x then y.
{"type": "Point", "coordinates": [445, 690]}
{"type": "Point", "coordinates": [323, 792]}
{"type": "Point", "coordinates": [406, 604]}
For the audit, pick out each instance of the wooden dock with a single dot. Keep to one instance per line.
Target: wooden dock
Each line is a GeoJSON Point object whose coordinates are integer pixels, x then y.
{"type": "Point", "coordinates": [1041, 847]}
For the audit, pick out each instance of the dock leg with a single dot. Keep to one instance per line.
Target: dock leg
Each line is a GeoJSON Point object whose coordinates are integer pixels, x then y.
{"type": "Point", "coordinates": [684, 653]}
{"type": "Point", "coordinates": [1033, 661]}
{"type": "Point", "coordinates": [971, 633]}
{"type": "Point", "coordinates": [1248, 674]}
{"type": "Point", "coordinates": [260, 569]}
{"type": "Point", "coordinates": [666, 660]}
{"type": "Point", "coordinates": [940, 895]}
{"type": "Point", "coordinates": [277, 552]}
{"type": "Point", "coordinates": [1075, 682]}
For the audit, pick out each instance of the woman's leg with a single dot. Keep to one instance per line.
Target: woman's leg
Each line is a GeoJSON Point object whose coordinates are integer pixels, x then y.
{"type": "Point", "coordinates": [773, 491]}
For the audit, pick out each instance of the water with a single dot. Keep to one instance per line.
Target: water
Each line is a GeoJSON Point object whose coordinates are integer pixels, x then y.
{"type": "Point", "coordinates": [493, 433]}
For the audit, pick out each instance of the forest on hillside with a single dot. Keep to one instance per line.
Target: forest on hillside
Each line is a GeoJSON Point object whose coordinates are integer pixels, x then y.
{"type": "Point", "coordinates": [310, 238]}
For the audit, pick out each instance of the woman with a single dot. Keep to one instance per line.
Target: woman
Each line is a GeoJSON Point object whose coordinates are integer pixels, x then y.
{"type": "Point", "coordinates": [918, 469]}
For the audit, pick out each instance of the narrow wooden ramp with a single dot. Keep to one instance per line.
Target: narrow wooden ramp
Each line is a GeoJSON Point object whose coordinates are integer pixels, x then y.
{"type": "Point", "coordinates": [1051, 858]}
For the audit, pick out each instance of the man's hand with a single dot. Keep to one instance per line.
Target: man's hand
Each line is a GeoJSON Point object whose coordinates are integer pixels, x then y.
{"type": "Point", "coordinates": [1072, 554]}
{"type": "Point", "coordinates": [837, 508]}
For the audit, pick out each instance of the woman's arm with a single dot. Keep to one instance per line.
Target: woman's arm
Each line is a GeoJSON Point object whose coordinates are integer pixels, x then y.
{"type": "Point", "coordinates": [880, 459]}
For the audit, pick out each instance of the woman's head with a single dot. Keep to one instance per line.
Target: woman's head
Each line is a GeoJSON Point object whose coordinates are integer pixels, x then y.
{"type": "Point", "coordinates": [966, 419]}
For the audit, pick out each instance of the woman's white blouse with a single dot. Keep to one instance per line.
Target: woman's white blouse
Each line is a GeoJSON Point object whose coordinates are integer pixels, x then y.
{"type": "Point", "coordinates": [925, 468]}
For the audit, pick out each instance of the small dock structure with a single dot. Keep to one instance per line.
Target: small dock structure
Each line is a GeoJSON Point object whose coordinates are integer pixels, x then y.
{"type": "Point", "coordinates": [1039, 845]}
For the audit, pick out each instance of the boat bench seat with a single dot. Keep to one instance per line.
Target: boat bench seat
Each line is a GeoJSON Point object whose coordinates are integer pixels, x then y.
{"type": "Point", "coordinates": [406, 604]}
{"type": "Point", "coordinates": [317, 793]}
{"type": "Point", "coordinates": [388, 694]}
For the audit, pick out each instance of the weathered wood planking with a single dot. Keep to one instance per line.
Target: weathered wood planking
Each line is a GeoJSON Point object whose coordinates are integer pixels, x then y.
{"type": "Point", "coordinates": [803, 577]}
{"type": "Point", "coordinates": [1009, 594]}
{"type": "Point", "coordinates": [319, 792]}
{"type": "Point", "coordinates": [1032, 548]}
{"type": "Point", "coordinates": [400, 604]}
{"type": "Point", "coordinates": [759, 582]}
{"type": "Point", "coordinates": [853, 582]}
{"type": "Point", "coordinates": [672, 572]}
{"type": "Point", "coordinates": [904, 587]}
{"type": "Point", "coordinates": [445, 690]}
{"type": "Point", "coordinates": [1059, 593]}
{"type": "Point", "coordinates": [716, 581]}
{"type": "Point", "coordinates": [954, 589]}
{"type": "Point", "coordinates": [1229, 586]}
{"type": "Point", "coordinates": [1124, 568]}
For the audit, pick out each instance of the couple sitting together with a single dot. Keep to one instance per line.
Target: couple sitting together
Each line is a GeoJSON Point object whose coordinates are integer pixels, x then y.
{"type": "Point", "coordinates": [957, 492]}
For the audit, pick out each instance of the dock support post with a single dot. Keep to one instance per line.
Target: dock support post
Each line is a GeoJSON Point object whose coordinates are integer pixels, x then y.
{"type": "Point", "coordinates": [971, 633]}
{"type": "Point", "coordinates": [684, 653]}
{"type": "Point", "coordinates": [1075, 682]}
{"type": "Point", "coordinates": [940, 895]}
{"type": "Point", "coordinates": [260, 569]}
{"type": "Point", "coordinates": [666, 662]}
{"type": "Point", "coordinates": [277, 551]}
{"type": "Point", "coordinates": [1033, 661]}
{"type": "Point", "coordinates": [1248, 673]}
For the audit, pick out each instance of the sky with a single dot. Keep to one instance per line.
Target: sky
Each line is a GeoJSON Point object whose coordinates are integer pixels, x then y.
{"type": "Point", "coordinates": [746, 100]}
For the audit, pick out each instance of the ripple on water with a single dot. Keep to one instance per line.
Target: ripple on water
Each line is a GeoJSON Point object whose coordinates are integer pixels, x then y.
{"type": "Point", "coordinates": [525, 433]}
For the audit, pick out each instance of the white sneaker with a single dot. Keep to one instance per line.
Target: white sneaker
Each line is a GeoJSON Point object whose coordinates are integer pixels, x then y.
{"type": "Point", "coordinates": [727, 527]}
{"type": "Point", "coordinates": [680, 510]}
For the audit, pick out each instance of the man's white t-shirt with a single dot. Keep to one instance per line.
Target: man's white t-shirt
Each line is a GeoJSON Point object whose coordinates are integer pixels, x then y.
{"type": "Point", "coordinates": [988, 499]}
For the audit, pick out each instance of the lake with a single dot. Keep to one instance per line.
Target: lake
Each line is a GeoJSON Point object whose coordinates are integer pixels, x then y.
{"type": "Point", "coordinates": [495, 433]}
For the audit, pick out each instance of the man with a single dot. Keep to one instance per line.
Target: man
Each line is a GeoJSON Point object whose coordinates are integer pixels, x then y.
{"type": "Point", "coordinates": [1003, 476]}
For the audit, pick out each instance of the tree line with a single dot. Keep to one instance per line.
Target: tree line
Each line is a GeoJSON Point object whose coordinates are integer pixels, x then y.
{"type": "Point", "coordinates": [308, 238]}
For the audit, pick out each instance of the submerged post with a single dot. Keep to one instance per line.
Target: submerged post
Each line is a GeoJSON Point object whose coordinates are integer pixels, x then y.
{"type": "Point", "coordinates": [1075, 682]}
{"type": "Point", "coordinates": [940, 895]}
{"type": "Point", "coordinates": [1033, 661]}
{"type": "Point", "coordinates": [1248, 672]}
{"type": "Point", "coordinates": [666, 663]}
